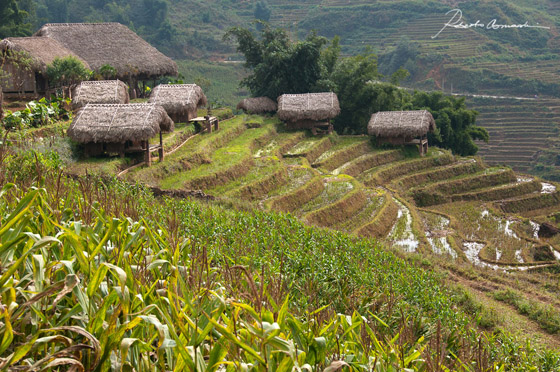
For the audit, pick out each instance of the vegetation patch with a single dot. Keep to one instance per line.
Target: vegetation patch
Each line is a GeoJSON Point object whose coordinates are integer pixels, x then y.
{"type": "Point", "coordinates": [225, 164]}
{"type": "Point", "coordinates": [468, 166]}
{"type": "Point", "coordinates": [368, 161]}
{"type": "Point", "coordinates": [340, 210]}
{"type": "Point", "coordinates": [294, 199]}
{"type": "Point", "coordinates": [311, 149]}
{"type": "Point", "coordinates": [398, 169]}
{"type": "Point", "coordinates": [383, 222]}
{"type": "Point", "coordinates": [502, 192]}
{"type": "Point", "coordinates": [546, 316]}
{"type": "Point", "coordinates": [259, 188]}
{"type": "Point", "coordinates": [530, 203]}
{"type": "Point", "coordinates": [345, 150]}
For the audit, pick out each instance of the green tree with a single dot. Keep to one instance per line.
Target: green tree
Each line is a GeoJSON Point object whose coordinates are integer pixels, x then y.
{"type": "Point", "coordinates": [66, 72]}
{"type": "Point", "coordinates": [262, 11]}
{"type": "Point", "coordinates": [13, 20]}
{"type": "Point", "coordinates": [456, 129]}
{"type": "Point", "coordinates": [277, 64]}
{"type": "Point", "coordinates": [107, 72]}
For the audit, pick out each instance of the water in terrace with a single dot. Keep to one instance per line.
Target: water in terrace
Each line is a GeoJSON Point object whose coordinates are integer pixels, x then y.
{"type": "Point", "coordinates": [401, 234]}
{"type": "Point", "coordinates": [437, 237]}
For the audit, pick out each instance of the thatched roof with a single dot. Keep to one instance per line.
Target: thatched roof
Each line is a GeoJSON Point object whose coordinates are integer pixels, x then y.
{"type": "Point", "coordinates": [42, 51]}
{"type": "Point", "coordinates": [113, 44]}
{"type": "Point", "coordinates": [105, 91]}
{"type": "Point", "coordinates": [178, 98]}
{"type": "Point", "coordinates": [310, 106]}
{"type": "Point", "coordinates": [119, 123]}
{"type": "Point", "coordinates": [258, 105]}
{"type": "Point", "coordinates": [401, 123]}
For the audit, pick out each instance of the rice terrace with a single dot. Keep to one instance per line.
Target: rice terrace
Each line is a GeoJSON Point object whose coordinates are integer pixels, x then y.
{"type": "Point", "coordinates": [274, 185]}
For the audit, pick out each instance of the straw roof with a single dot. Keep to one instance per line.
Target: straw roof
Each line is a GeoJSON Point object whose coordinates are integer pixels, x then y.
{"type": "Point", "coordinates": [401, 123]}
{"type": "Point", "coordinates": [257, 105]}
{"type": "Point", "coordinates": [113, 44]}
{"type": "Point", "coordinates": [310, 106]}
{"type": "Point", "coordinates": [119, 123]}
{"type": "Point", "coordinates": [105, 91]}
{"type": "Point", "coordinates": [42, 51]}
{"type": "Point", "coordinates": [178, 99]}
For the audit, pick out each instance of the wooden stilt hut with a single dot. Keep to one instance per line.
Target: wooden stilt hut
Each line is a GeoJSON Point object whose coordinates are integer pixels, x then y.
{"type": "Point", "coordinates": [309, 111]}
{"type": "Point", "coordinates": [117, 128]}
{"type": "Point", "coordinates": [258, 105]}
{"type": "Point", "coordinates": [402, 128]}
{"type": "Point", "coordinates": [180, 101]}
{"type": "Point", "coordinates": [102, 92]}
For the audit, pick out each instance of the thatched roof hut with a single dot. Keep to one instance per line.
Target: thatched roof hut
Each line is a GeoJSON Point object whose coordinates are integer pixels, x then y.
{"type": "Point", "coordinates": [402, 128]}
{"type": "Point", "coordinates": [113, 44]}
{"type": "Point", "coordinates": [42, 52]}
{"type": "Point", "coordinates": [310, 106]}
{"type": "Point", "coordinates": [119, 123]}
{"type": "Point", "coordinates": [180, 101]}
{"type": "Point", "coordinates": [404, 124]}
{"type": "Point", "coordinates": [105, 91]}
{"type": "Point", "coordinates": [257, 105]}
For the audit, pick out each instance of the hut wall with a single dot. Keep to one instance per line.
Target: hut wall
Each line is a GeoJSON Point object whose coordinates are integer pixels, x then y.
{"type": "Point", "coordinates": [16, 75]}
{"type": "Point", "coordinates": [183, 118]}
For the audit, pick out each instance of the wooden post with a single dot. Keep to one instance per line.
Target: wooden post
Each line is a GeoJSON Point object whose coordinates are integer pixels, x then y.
{"type": "Point", "coordinates": [161, 154]}
{"type": "Point", "coordinates": [148, 157]}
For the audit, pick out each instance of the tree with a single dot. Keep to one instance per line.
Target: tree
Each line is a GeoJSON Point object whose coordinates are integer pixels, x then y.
{"type": "Point", "coordinates": [66, 72]}
{"type": "Point", "coordinates": [456, 129]}
{"type": "Point", "coordinates": [107, 72]}
{"type": "Point", "coordinates": [262, 11]}
{"type": "Point", "coordinates": [278, 65]}
{"type": "Point", "coordinates": [13, 20]}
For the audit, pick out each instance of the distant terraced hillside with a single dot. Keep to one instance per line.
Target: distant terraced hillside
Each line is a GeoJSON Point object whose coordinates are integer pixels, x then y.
{"type": "Point", "coordinates": [524, 133]}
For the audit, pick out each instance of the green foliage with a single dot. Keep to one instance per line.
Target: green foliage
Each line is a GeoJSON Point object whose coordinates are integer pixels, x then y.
{"type": "Point", "coordinates": [455, 124]}
{"type": "Point", "coordinates": [107, 72]}
{"type": "Point", "coordinates": [13, 20]}
{"type": "Point", "coordinates": [37, 114]}
{"type": "Point", "coordinates": [278, 65]}
{"type": "Point", "coordinates": [262, 11]}
{"type": "Point", "coordinates": [67, 71]}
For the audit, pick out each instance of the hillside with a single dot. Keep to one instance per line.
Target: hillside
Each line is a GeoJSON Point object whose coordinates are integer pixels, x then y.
{"type": "Point", "coordinates": [474, 220]}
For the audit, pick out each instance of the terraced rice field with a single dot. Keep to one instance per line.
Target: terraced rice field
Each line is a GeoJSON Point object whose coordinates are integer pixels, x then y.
{"type": "Point", "coordinates": [521, 131]}
{"type": "Point", "coordinates": [412, 203]}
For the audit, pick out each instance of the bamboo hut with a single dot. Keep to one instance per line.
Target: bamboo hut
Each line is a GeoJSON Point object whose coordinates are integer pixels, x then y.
{"type": "Point", "coordinates": [258, 105]}
{"type": "Point", "coordinates": [105, 91]}
{"type": "Point", "coordinates": [112, 44]}
{"type": "Point", "coordinates": [42, 52]}
{"type": "Point", "coordinates": [309, 111]}
{"type": "Point", "coordinates": [180, 101]}
{"type": "Point", "coordinates": [118, 128]}
{"type": "Point", "coordinates": [402, 127]}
